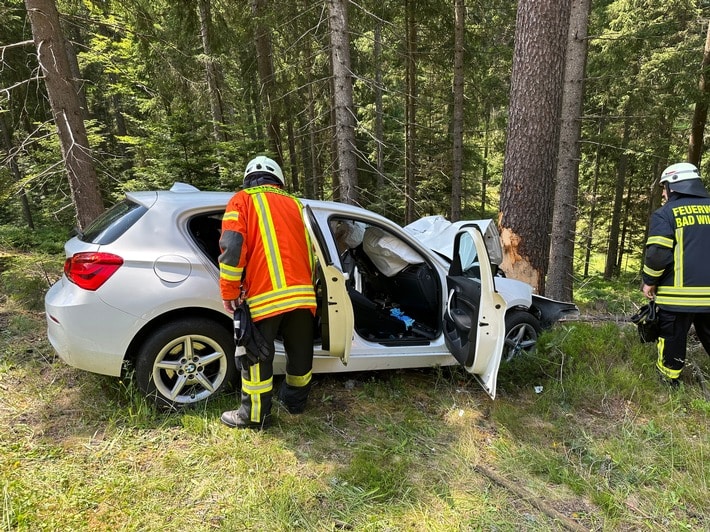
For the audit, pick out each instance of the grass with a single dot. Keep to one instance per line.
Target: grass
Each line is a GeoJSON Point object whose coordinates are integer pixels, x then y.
{"type": "Point", "coordinates": [601, 446]}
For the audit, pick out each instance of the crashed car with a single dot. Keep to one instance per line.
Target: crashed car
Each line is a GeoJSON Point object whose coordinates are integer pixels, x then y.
{"type": "Point", "coordinates": [140, 294]}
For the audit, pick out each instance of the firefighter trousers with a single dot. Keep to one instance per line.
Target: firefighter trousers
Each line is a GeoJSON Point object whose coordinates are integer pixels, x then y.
{"type": "Point", "coordinates": [296, 330]}
{"type": "Point", "coordinates": [673, 339]}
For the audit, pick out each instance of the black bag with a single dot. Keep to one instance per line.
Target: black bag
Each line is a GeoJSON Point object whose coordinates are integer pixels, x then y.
{"type": "Point", "coordinates": [251, 344]}
{"type": "Point", "coordinates": [646, 320]}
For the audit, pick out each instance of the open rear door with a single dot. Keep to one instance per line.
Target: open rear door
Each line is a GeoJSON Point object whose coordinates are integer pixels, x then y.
{"type": "Point", "coordinates": [474, 318]}
{"type": "Point", "coordinates": [337, 317]}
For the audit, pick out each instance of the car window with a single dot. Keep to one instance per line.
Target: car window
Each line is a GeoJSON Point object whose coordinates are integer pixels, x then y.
{"type": "Point", "coordinates": [206, 229]}
{"type": "Point", "coordinates": [113, 223]}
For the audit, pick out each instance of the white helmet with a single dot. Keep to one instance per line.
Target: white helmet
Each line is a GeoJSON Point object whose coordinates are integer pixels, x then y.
{"type": "Point", "coordinates": [684, 178]}
{"type": "Point", "coordinates": [263, 164]}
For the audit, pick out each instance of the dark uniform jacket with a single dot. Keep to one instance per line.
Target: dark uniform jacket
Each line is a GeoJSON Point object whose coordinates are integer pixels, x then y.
{"type": "Point", "coordinates": [677, 257]}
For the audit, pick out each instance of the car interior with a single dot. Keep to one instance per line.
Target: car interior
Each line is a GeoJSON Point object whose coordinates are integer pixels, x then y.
{"type": "Point", "coordinates": [395, 292]}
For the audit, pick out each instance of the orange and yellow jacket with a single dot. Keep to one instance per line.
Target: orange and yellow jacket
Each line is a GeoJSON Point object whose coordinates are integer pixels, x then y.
{"type": "Point", "coordinates": [266, 250]}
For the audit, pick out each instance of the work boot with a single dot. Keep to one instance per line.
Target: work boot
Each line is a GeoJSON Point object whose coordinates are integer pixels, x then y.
{"type": "Point", "coordinates": [233, 420]}
{"type": "Point", "coordinates": [673, 384]}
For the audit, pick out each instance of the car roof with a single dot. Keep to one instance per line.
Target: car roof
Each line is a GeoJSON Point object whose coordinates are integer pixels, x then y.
{"type": "Point", "coordinates": [182, 196]}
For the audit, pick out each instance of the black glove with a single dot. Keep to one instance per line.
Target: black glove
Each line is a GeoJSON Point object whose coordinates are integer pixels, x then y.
{"type": "Point", "coordinates": [252, 347]}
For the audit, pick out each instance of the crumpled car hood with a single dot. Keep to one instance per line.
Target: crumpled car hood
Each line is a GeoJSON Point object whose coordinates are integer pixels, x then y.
{"type": "Point", "coordinates": [437, 233]}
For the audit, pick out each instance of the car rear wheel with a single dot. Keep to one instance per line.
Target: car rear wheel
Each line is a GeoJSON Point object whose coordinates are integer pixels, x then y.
{"type": "Point", "coordinates": [521, 332]}
{"type": "Point", "coordinates": [185, 362]}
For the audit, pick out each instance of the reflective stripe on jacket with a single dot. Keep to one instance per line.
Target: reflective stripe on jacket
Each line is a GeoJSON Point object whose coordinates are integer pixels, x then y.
{"type": "Point", "coordinates": [266, 248]}
{"type": "Point", "coordinates": [678, 254]}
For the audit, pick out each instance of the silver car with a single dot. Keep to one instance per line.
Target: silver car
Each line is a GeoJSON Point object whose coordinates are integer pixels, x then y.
{"type": "Point", "coordinates": [140, 293]}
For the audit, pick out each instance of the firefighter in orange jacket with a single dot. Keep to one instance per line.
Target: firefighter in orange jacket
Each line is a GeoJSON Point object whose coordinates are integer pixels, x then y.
{"type": "Point", "coordinates": [267, 258]}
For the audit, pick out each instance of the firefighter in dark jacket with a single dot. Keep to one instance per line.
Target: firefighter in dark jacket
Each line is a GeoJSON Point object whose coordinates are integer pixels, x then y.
{"type": "Point", "coordinates": [676, 268]}
{"type": "Point", "coordinates": [267, 258]}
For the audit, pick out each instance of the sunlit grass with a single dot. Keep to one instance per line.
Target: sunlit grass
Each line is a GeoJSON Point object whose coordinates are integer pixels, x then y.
{"type": "Point", "coordinates": [582, 426]}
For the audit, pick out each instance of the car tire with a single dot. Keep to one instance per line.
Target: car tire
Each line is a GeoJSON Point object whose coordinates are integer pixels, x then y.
{"type": "Point", "coordinates": [521, 332]}
{"type": "Point", "coordinates": [185, 362]}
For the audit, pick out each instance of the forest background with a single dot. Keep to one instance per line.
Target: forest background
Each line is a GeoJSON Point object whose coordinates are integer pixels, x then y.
{"type": "Point", "coordinates": [408, 109]}
{"type": "Point", "coordinates": [580, 438]}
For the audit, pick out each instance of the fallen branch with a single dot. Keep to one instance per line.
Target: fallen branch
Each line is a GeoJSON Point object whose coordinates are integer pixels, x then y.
{"type": "Point", "coordinates": [568, 523]}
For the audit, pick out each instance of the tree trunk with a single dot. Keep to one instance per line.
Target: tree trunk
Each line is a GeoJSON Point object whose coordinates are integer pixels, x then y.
{"type": "Point", "coordinates": [700, 115]}
{"type": "Point", "coordinates": [66, 110]}
{"type": "Point", "coordinates": [410, 115]}
{"type": "Point", "coordinates": [457, 126]}
{"type": "Point", "coordinates": [560, 278]}
{"type": "Point", "coordinates": [624, 227]}
{"type": "Point", "coordinates": [212, 72]}
{"type": "Point", "coordinates": [379, 122]}
{"type": "Point", "coordinates": [343, 101]}
{"type": "Point", "coordinates": [316, 175]}
{"type": "Point", "coordinates": [614, 227]}
{"type": "Point", "coordinates": [593, 206]}
{"type": "Point", "coordinates": [15, 169]}
{"type": "Point", "coordinates": [292, 155]}
{"type": "Point", "coordinates": [484, 177]}
{"type": "Point", "coordinates": [265, 67]}
{"type": "Point", "coordinates": [532, 138]}
{"type": "Point", "coordinates": [312, 179]}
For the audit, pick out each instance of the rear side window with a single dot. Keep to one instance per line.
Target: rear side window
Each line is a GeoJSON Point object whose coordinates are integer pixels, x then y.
{"type": "Point", "coordinates": [206, 230]}
{"type": "Point", "coordinates": [113, 223]}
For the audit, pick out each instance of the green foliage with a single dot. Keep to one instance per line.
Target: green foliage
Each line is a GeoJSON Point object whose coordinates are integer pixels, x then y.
{"type": "Point", "coordinates": [619, 296]}
{"type": "Point", "coordinates": [46, 241]}
{"type": "Point", "coordinates": [30, 261]}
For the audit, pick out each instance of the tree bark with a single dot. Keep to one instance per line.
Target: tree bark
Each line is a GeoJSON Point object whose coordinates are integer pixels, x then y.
{"type": "Point", "coordinates": [265, 67]}
{"type": "Point", "coordinates": [212, 72]}
{"type": "Point", "coordinates": [379, 122]}
{"type": "Point", "coordinates": [624, 226]}
{"type": "Point", "coordinates": [593, 204]}
{"type": "Point", "coordinates": [457, 126]}
{"type": "Point", "coordinates": [410, 115]}
{"type": "Point", "coordinates": [532, 138]}
{"type": "Point", "coordinates": [614, 227]}
{"type": "Point", "coordinates": [292, 155]}
{"type": "Point", "coordinates": [15, 169]}
{"type": "Point", "coordinates": [67, 113]}
{"type": "Point", "coordinates": [560, 278]}
{"type": "Point", "coordinates": [344, 113]}
{"type": "Point", "coordinates": [484, 176]}
{"type": "Point", "coordinates": [700, 114]}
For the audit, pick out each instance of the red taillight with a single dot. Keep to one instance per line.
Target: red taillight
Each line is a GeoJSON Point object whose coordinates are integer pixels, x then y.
{"type": "Point", "coordinates": [91, 270]}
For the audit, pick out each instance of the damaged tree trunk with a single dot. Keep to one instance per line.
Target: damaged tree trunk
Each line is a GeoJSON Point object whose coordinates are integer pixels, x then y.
{"type": "Point", "coordinates": [537, 80]}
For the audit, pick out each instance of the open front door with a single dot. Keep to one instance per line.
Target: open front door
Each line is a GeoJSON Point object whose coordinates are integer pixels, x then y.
{"type": "Point", "coordinates": [474, 318]}
{"type": "Point", "coordinates": [337, 317]}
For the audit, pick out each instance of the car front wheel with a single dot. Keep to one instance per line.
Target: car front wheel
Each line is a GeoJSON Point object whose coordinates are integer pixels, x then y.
{"type": "Point", "coordinates": [521, 332]}
{"type": "Point", "coordinates": [185, 362]}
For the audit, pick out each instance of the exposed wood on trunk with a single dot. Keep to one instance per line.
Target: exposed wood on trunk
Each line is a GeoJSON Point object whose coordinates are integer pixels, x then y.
{"type": "Point", "coordinates": [514, 263]}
